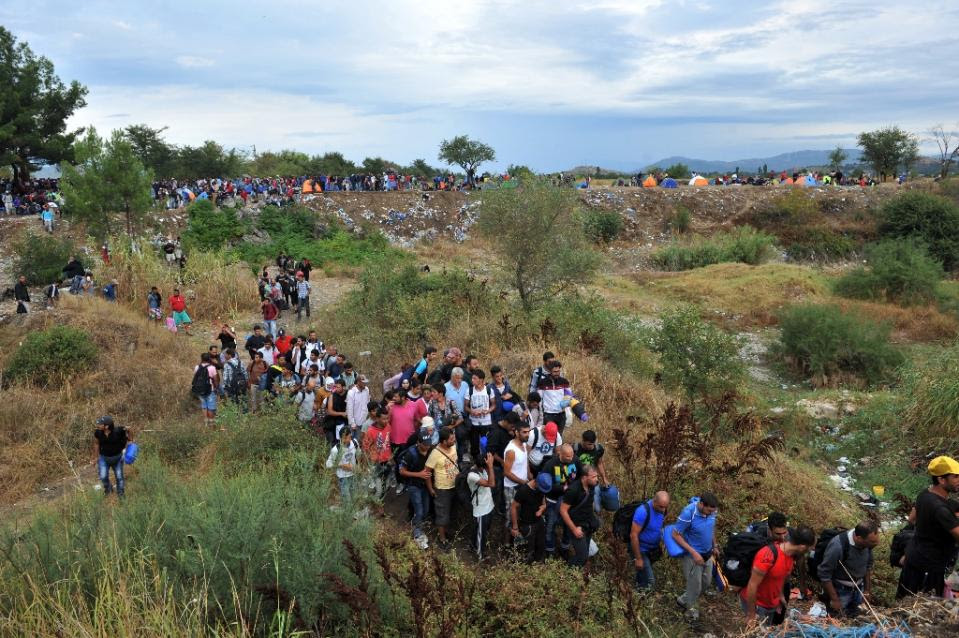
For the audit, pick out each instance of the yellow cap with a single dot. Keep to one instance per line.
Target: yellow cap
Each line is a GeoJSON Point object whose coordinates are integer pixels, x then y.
{"type": "Point", "coordinates": [942, 465]}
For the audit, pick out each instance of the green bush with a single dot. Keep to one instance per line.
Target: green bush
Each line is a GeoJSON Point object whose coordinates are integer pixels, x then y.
{"type": "Point", "coordinates": [932, 219]}
{"type": "Point", "coordinates": [41, 258]}
{"type": "Point", "coordinates": [681, 219]}
{"type": "Point", "coordinates": [794, 208]}
{"type": "Point", "coordinates": [933, 400]}
{"type": "Point", "coordinates": [822, 343]}
{"type": "Point", "coordinates": [287, 221]}
{"type": "Point", "coordinates": [52, 355]}
{"type": "Point", "coordinates": [696, 355]}
{"type": "Point", "coordinates": [339, 248]}
{"type": "Point", "coordinates": [743, 244]}
{"type": "Point", "coordinates": [210, 227]}
{"type": "Point", "coordinates": [602, 225]}
{"type": "Point", "coordinates": [816, 243]}
{"type": "Point", "coordinates": [899, 271]}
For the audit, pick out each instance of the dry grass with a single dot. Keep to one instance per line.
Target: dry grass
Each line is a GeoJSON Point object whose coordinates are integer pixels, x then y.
{"type": "Point", "coordinates": [141, 375]}
{"type": "Point", "coordinates": [213, 285]}
{"type": "Point", "coordinates": [916, 323]}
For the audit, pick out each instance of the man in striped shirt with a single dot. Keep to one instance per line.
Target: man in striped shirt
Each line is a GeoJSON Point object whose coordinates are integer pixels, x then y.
{"type": "Point", "coordinates": [302, 295]}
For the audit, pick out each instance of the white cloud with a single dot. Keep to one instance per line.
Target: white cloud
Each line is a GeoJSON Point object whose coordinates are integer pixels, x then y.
{"type": "Point", "coordinates": [193, 61]}
{"type": "Point", "coordinates": [120, 24]}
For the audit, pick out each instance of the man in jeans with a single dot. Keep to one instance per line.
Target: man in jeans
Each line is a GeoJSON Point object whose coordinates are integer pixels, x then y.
{"type": "Point", "coordinates": [414, 471]}
{"type": "Point", "coordinates": [109, 443]}
{"type": "Point", "coordinates": [563, 472]}
{"type": "Point", "coordinates": [302, 295]}
{"type": "Point", "coordinates": [645, 535]}
{"type": "Point", "coordinates": [695, 532]}
{"type": "Point", "coordinates": [577, 514]}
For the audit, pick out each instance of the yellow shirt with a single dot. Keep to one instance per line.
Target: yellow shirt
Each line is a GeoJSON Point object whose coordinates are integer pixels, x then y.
{"type": "Point", "coordinates": [443, 464]}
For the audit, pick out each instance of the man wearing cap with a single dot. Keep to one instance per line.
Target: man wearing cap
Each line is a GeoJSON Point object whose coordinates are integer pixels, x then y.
{"type": "Point", "coordinates": [357, 399]}
{"type": "Point", "coordinates": [526, 516]}
{"type": "Point", "coordinates": [413, 471]}
{"type": "Point", "coordinates": [542, 442]}
{"type": "Point", "coordinates": [933, 548]}
{"type": "Point", "coordinates": [109, 443]}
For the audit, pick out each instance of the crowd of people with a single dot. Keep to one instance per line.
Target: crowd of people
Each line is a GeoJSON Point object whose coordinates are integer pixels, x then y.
{"type": "Point", "coordinates": [40, 196]}
{"type": "Point", "coordinates": [471, 451]}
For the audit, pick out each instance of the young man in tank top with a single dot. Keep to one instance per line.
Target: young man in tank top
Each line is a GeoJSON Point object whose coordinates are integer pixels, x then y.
{"type": "Point", "coordinates": [515, 464]}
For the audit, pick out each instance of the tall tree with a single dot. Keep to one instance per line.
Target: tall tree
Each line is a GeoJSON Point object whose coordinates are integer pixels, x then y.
{"type": "Point", "coordinates": [837, 157]}
{"type": "Point", "coordinates": [34, 108]}
{"type": "Point", "coordinates": [467, 154]}
{"type": "Point", "coordinates": [538, 241]}
{"type": "Point", "coordinates": [108, 178]}
{"type": "Point", "coordinates": [889, 148]}
{"type": "Point", "coordinates": [948, 143]}
{"type": "Point", "coordinates": [151, 149]}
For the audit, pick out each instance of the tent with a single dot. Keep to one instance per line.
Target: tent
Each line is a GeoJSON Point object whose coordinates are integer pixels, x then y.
{"type": "Point", "coordinates": [669, 182]}
{"type": "Point", "coordinates": [650, 182]}
{"type": "Point", "coordinates": [811, 181]}
{"type": "Point", "coordinates": [699, 181]}
{"type": "Point", "coordinates": [308, 186]}
{"type": "Point", "coordinates": [802, 182]}
{"type": "Point", "coordinates": [788, 181]}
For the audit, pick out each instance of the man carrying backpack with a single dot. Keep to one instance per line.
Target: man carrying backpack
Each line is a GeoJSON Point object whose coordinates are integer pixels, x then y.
{"type": "Point", "coordinates": [479, 405]}
{"type": "Point", "coordinates": [845, 568]}
{"type": "Point", "coordinates": [695, 532]}
{"type": "Point", "coordinates": [541, 372]}
{"type": "Point", "coordinates": [109, 444]}
{"type": "Point", "coordinates": [577, 514]}
{"type": "Point", "coordinates": [542, 442]}
{"type": "Point", "coordinates": [526, 516]}
{"type": "Point", "coordinates": [775, 527]}
{"type": "Point", "coordinates": [645, 534]}
{"type": "Point", "coordinates": [763, 598]}
{"type": "Point", "coordinates": [234, 376]}
{"type": "Point", "coordinates": [205, 381]}
{"type": "Point", "coordinates": [413, 470]}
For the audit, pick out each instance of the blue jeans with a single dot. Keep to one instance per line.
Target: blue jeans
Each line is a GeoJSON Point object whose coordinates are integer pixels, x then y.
{"type": "Point", "coordinates": [849, 598]}
{"type": "Point", "coordinates": [645, 578]}
{"type": "Point", "coordinates": [553, 519]}
{"type": "Point", "coordinates": [104, 463]}
{"type": "Point", "coordinates": [420, 500]}
{"type": "Point", "coordinates": [269, 325]}
{"type": "Point", "coordinates": [346, 489]}
{"type": "Point", "coordinates": [763, 614]}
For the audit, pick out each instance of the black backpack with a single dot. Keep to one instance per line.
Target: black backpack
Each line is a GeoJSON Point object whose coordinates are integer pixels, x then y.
{"type": "Point", "coordinates": [740, 552]}
{"type": "Point", "coordinates": [201, 385]}
{"type": "Point", "coordinates": [900, 541]}
{"type": "Point", "coordinates": [815, 559]}
{"type": "Point", "coordinates": [623, 519]}
{"type": "Point", "coordinates": [238, 381]}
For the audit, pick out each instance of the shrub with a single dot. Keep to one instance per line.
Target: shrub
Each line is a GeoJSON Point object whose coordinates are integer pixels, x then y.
{"type": "Point", "coordinates": [743, 244]}
{"type": "Point", "coordinates": [822, 343]}
{"type": "Point", "coordinates": [602, 225]}
{"type": "Point", "coordinates": [794, 208]}
{"type": "Point", "coordinates": [899, 271]}
{"type": "Point", "coordinates": [696, 355]}
{"type": "Point", "coordinates": [816, 243]}
{"type": "Point", "coordinates": [933, 399]}
{"type": "Point", "coordinates": [339, 247]}
{"type": "Point", "coordinates": [52, 355]}
{"type": "Point", "coordinates": [210, 227]}
{"type": "Point", "coordinates": [681, 219]}
{"type": "Point", "coordinates": [41, 258]}
{"type": "Point", "coordinates": [932, 219]}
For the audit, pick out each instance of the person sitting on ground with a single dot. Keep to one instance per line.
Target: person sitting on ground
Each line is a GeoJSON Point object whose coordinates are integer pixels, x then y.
{"type": "Point", "coordinates": [763, 599]}
{"type": "Point", "coordinates": [846, 569]}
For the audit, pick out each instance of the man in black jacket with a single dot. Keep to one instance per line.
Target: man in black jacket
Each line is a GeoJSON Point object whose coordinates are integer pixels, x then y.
{"type": "Point", "coordinates": [22, 295]}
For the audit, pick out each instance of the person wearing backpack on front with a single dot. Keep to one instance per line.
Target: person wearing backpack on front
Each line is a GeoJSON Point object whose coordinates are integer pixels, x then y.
{"type": "Point", "coordinates": [763, 599]}
{"type": "Point", "coordinates": [645, 535]}
{"type": "Point", "coordinates": [695, 532]}
{"type": "Point", "coordinates": [845, 569]}
{"type": "Point", "coordinates": [343, 455]}
{"type": "Point", "coordinates": [205, 381]}
{"type": "Point", "coordinates": [479, 405]}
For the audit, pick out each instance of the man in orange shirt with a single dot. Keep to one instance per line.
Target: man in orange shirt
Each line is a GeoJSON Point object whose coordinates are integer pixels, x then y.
{"type": "Point", "coordinates": [763, 599]}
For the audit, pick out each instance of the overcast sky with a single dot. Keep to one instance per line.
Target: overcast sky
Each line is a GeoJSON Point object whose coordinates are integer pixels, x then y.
{"type": "Point", "coordinates": [548, 83]}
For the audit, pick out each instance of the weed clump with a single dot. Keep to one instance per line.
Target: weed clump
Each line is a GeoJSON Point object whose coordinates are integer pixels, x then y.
{"type": "Point", "coordinates": [209, 227]}
{"type": "Point", "coordinates": [41, 258]}
{"type": "Point", "coordinates": [602, 226]}
{"type": "Point", "coordinates": [899, 271]}
{"type": "Point", "coordinates": [933, 404]}
{"type": "Point", "coordinates": [51, 355]}
{"type": "Point", "coordinates": [929, 218]}
{"type": "Point", "coordinates": [820, 342]}
{"type": "Point", "coordinates": [744, 245]}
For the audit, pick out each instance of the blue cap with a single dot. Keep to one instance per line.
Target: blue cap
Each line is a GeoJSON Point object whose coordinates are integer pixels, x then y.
{"type": "Point", "coordinates": [544, 482]}
{"type": "Point", "coordinates": [508, 406]}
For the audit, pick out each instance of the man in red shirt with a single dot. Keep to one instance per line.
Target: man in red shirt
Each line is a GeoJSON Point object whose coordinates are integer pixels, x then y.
{"type": "Point", "coordinates": [283, 341]}
{"type": "Point", "coordinates": [178, 306]}
{"type": "Point", "coordinates": [763, 598]}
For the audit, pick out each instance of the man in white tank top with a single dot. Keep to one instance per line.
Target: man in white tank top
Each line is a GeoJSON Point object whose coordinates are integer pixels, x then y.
{"type": "Point", "coordinates": [515, 464]}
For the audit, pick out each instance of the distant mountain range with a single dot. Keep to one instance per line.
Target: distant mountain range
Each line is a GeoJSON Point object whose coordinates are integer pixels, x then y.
{"type": "Point", "coordinates": [781, 162]}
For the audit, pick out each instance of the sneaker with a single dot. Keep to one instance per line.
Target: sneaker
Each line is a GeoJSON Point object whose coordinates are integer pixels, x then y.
{"type": "Point", "coordinates": [422, 542]}
{"type": "Point", "coordinates": [692, 615]}
{"type": "Point", "coordinates": [401, 488]}
{"type": "Point", "coordinates": [681, 601]}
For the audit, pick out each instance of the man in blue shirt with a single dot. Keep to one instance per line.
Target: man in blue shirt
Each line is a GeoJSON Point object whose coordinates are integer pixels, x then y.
{"type": "Point", "coordinates": [645, 535]}
{"type": "Point", "coordinates": [695, 532]}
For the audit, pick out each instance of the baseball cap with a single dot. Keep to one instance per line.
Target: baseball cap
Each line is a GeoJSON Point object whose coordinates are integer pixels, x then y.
{"type": "Point", "coordinates": [455, 352]}
{"type": "Point", "coordinates": [544, 482]}
{"type": "Point", "coordinates": [425, 438]}
{"type": "Point", "coordinates": [328, 383]}
{"type": "Point", "coordinates": [108, 421]}
{"type": "Point", "coordinates": [362, 378]}
{"type": "Point", "coordinates": [427, 422]}
{"type": "Point", "coordinates": [508, 406]}
{"type": "Point", "coordinates": [550, 430]}
{"type": "Point", "coordinates": [942, 465]}
{"type": "Point", "coordinates": [281, 332]}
